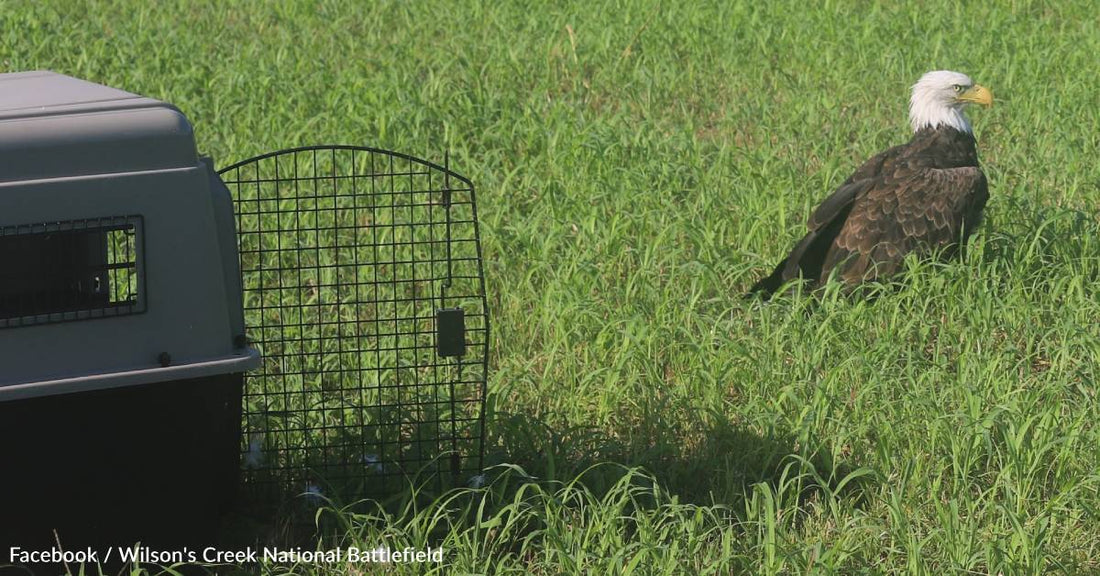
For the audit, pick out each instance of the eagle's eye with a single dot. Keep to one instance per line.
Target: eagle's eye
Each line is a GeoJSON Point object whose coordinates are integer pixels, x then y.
{"type": "Point", "coordinates": [958, 88]}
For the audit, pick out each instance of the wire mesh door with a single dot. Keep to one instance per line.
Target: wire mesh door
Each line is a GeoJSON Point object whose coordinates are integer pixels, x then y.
{"type": "Point", "coordinates": [364, 292]}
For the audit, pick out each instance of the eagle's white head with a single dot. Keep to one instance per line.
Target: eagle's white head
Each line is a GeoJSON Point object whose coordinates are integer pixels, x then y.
{"type": "Point", "coordinates": [939, 98]}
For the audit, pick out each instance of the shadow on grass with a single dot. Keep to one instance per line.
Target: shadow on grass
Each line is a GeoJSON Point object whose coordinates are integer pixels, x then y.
{"type": "Point", "coordinates": [716, 464]}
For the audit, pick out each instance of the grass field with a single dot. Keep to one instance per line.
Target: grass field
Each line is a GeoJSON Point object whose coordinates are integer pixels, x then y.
{"type": "Point", "coordinates": [638, 166]}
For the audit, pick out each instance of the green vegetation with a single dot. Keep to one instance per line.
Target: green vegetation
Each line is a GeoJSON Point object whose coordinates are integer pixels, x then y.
{"type": "Point", "coordinates": [638, 166]}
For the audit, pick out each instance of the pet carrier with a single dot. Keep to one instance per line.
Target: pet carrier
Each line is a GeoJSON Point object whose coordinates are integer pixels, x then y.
{"type": "Point", "coordinates": [315, 317]}
{"type": "Point", "coordinates": [121, 332]}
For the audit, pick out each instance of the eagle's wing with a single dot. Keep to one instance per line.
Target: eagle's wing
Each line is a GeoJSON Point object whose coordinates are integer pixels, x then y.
{"type": "Point", "coordinates": [906, 209]}
{"type": "Point", "coordinates": [860, 181]}
{"type": "Point", "coordinates": [826, 221]}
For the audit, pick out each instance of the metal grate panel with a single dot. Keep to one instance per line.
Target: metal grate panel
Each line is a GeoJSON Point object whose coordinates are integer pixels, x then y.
{"type": "Point", "coordinates": [353, 261]}
{"type": "Point", "coordinates": [70, 270]}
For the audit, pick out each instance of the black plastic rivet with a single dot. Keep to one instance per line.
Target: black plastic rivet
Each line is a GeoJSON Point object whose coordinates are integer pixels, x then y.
{"type": "Point", "coordinates": [165, 359]}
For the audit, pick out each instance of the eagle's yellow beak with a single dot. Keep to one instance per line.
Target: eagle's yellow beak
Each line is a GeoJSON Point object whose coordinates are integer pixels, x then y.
{"type": "Point", "coordinates": [977, 94]}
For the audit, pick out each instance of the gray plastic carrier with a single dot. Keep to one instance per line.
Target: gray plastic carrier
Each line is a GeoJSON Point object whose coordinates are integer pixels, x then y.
{"type": "Point", "coordinates": [120, 257]}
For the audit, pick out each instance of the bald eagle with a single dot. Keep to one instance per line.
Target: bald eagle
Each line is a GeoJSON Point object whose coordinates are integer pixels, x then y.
{"type": "Point", "coordinates": [920, 196]}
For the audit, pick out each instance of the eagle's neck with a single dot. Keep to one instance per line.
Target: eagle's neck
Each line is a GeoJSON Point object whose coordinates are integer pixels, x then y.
{"type": "Point", "coordinates": [944, 147]}
{"type": "Point", "coordinates": [927, 113]}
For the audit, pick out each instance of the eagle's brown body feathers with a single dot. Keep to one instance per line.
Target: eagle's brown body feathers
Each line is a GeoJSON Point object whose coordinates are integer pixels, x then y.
{"type": "Point", "coordinates": [924, 195]}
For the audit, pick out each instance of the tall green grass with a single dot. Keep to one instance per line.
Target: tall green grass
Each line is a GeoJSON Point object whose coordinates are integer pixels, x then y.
{"type": "Point", "coordinates": [638, 166]}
